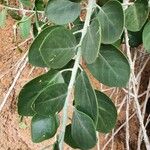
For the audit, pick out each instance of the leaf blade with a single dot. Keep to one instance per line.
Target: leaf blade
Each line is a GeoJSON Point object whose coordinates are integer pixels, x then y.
{"type": "Point", "coordinates": [83, 130]}
{"type": "Point", "coordinates": [111, 18]}
{"type": "Point", "coordinates": [62, 12]}
{"type": "Point", "coordinates": [43, 128]}
{"type": "Point", "coordinates": [113, 67]}
{"type": "Point", "coordinates": [85, 98]}
{"type": "Point", "coordinates": [91, 42]}
{"type": "Point", "coordinates": [136, 15]}
{"type": "Point", "coordinates": [107, 113]}
{"type": "Point", "coordinates": [33, 89]}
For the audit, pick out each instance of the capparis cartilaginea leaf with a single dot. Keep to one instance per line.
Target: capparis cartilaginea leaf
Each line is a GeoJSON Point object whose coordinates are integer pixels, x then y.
{"type": "Point", "coordinates": [68, 137]}
{"type": "Point", "coordinates": [136, 15]}
{"type": "Point", "coordinates": [25, 26]}
{"type": "Point", "coordinates": [85, 98]}
{"type": "Point", "coordinates": [146, 37]}
{"type": "Point", "coordinates": [3, 15]}
{"type": "Point", "coordinates": [111, 19]}
{"type": "Point", "coordinates": [111, 67]}
{"type": "Point", "coordinates": [43, 127]}
{"type": "Point", "coordinates": [51, 100]}
{"type": "Point", "coordinates": [83, 130]}
{"type": "Point", "coordinates": [62, 12]}
{"type": "Point", "coordinates": [91, 42]}
{"type": "Point", "coordinates": [54, 47]}
{"type": "Point", "coordinates": [31, 91]}
{"type": "Point", "coordinates": [107, 115]}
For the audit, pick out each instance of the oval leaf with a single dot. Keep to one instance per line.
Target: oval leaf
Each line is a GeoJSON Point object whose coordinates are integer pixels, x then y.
{"type": "Point", "coordinates": [91, 42]}
{"type": "Point", "coordinates": [3, 15]}
{"type": "Point", "coordinates": [83, 130]}
{"type": "Point", "coordinates": [33, 89]}
{"type": "Point", "coordinates": [107, 113]}
{"type": "Point", "coordinates": [51, 100]}
{"type": "Point", "coordinates": [111, 19]}
{"type": "Point", "coordinates": [43, 127]}
{"type": "Point", "coordinates": [146, 37]}
{"type": "Point", "coordinates": [85, 98]}
{"type": "Point", "coordinates": [62, 12]}
{"type": "Point", "coordinates": [111, 67]}
{"type": "Point", "coordinates": [136, 15]}
{"type": "Point", "coordinates": [25, 26]}
{"type": "Point", "coordinates": [56, 49]}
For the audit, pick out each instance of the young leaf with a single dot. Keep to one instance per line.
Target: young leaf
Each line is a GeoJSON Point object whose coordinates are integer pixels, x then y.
{"type": "Point", "coordinates": [14, 14]}
{"type": "Point", "coordinates": [83, 130]}
{"type": "Point", "coordinates": [146, 37]}
{"type": "Point", "coordinates": [39, 4]}
{"type": "Point", "coordinates": [56, 49]}
{"type": "Point", "coordinates": [25, 26]}
{"type": "Point", "coordinates": [51, 100]}
{"type": "Point", "coordinates": [43, 127]}
{"type": "Point", "coordinates": [107, 113]}
{"type": "Point", "coordinates": [111, 67]}
{"type": "Point", "coordinates": [26, 2]}
{"type": "Point", "coordinates": [136, 15]}
{"type": "Point", "coordinates": [85, 98]}
{"type": "Point", "coordinates": [68, 137]}
{"type": "Point", "coordinates": [33, 89]}
{"type": "Point", "coordinates": [91, 42]}
{"type": "Point", "coordinates": [3, 15]}
{"type": "Point", "coordinates": [62, 12]}
{"type": "Point", "coordinates": [111, 18]}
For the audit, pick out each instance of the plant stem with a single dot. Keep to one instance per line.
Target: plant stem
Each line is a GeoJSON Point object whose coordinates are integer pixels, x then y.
{"type": "Point", "coordinates": [90, 6]}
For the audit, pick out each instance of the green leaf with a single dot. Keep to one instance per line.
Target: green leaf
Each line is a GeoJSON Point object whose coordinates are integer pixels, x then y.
{"type": "Point", "coordinates": [107, 113]}
{"type": "Point", "coordinates": [26, 2]}
{"type": "Point", "coordinates": [91, 42]}
{"type": "Point", "coordinates": [54, 46]}
{"type": "Point", "coordinates": [34, 54]}
{"type": "Point", "coordinates": [136, 15]}
{"type": "Point", "coordinates": [111, 18]}
{"type": "Point", "coordinates": [31, 91]}
{"type": "Point", "coordinates": [62, 12]}
{"type": "Point", "coordinates": [111, 67]}
{"type": "Point", "coordinates": [43, 128]}
{"type": "Point", "coordinates": [39, 4]}
{"type": "Point", "coordinates": [25, 26]}
{"type": "Point", "coordinates": [135, 38]}
{"type": "Point", "coordinates": [85, 98]}
{"type": "Point", "coordinates": [51, 100]}
{"type": "Point", "coordinates": [56, 146]}
{"type": "Point", "coordinates": [3, 15]}
{"type": "Point", "coordinates": [146, 37]}
{"type": "Point", "coordinates": [68, 137]}
{"type": "Point", "coordinates": [83, 130]}
{"type": "Point", "coordinates": [14, 14]}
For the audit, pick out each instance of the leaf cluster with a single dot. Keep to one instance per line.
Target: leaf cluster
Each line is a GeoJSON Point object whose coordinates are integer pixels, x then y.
{"type": "Point", "coordinates": [57, 39]}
